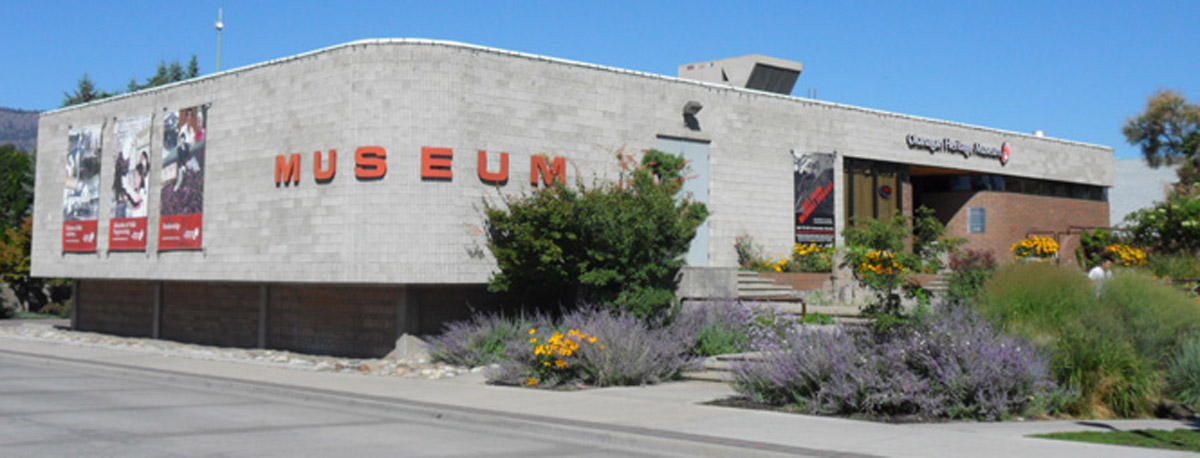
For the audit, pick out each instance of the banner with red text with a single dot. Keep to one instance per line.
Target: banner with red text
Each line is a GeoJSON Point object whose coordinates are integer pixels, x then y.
{"type": "Point", "coordinates": [182, 192]}
{"type": "Point", "coordinates": [81, 189]}
{"type": "Point", "coordinates": [127, 223]}
{"type": "Point", "coordinates": [813, 179]}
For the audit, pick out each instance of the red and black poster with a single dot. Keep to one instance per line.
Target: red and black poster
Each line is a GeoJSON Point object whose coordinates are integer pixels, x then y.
{"type": "Point", "coordinates": [127, 223]}
{"type": "Point", "coordinates": [182, 192]}
{"type": "Point", "coordinates": [814, 197]}
{"type": "Point", "coordinates": [81, 189]}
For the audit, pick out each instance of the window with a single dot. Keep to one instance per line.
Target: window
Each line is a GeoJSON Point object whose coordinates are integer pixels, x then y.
{"type": "Point", "coordinates": [1001, 183]}
{"type": "Point", "coordinates": [976, 220]}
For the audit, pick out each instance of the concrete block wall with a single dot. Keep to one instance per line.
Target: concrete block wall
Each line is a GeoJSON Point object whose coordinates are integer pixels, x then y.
{"type": "Point", "coordinates": [407, 94]}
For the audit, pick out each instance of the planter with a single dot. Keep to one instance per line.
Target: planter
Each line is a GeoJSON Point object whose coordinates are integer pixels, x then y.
{"type": "Point", "coordinates": [799, 281]}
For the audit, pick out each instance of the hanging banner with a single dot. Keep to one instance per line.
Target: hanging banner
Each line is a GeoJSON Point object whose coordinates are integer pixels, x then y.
{"type": "Point", "coordinates": [81, 191]}
{"type": "Point", "coordinates": [814, 197]}
{"type": "Point", "coordinates": [127, 223]}
{"type": "Point", "coordinates": [182, 193]}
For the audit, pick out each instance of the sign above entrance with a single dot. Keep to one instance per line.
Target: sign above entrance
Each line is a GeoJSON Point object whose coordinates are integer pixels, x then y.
{"type": "Point", "coordinates": [967, 150]}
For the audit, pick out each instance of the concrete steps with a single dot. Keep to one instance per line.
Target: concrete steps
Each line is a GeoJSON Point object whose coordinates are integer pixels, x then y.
{"type": "Point", "coordinates": [940, 286]}
{"type": "Point", "coordinates": [752, 287]}
{"type": "Point", "coordinates": [720, 368]}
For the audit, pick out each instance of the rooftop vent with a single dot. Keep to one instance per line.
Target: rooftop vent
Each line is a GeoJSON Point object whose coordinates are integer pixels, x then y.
{"type": "Point", "coordinates": [754, 71]}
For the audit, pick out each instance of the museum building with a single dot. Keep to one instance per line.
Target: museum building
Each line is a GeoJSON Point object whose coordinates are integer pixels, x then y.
{"type": "Point", "coordinates": [331, 201]}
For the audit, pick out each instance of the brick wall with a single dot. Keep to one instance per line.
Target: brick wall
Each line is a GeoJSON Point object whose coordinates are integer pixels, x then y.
{"type": "Point", "coordinates": [223, 314]}
{"type": "Point", "coordinates": [124, 308]}
{"type": "Point", "coordinates": [1011, 217]}
{"type": "Point", "coordinates": [344, 320]}
{"type": "Point", "coordinates": [332, 319]}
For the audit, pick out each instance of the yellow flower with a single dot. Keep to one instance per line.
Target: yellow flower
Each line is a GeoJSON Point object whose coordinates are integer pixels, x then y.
{"type": "Point", "coordinates": [531, 381]}
{"type": "Point", "coordinates": [533, 340]}
{"type": "Point", "coordinates": [532, 330]}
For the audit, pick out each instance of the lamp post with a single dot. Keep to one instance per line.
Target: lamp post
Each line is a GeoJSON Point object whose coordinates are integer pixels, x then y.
{"type": "Point", "coordinates": [220, 25]}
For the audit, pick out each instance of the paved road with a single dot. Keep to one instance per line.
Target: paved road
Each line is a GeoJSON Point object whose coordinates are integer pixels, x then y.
{"type": "Point", "coordinates": [54, 408]}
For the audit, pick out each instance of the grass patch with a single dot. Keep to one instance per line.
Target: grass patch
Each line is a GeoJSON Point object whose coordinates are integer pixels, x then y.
{"type": "Point", "coordinates": [1179, 439]}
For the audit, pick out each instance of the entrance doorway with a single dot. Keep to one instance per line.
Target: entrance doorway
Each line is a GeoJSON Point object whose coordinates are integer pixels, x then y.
{"type": "Point", "coordinates": [874, 190]}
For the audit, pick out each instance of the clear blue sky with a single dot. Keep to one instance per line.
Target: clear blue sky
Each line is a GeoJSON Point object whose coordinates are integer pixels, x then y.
{"type": "Point", "coordinates": [1074, 69]}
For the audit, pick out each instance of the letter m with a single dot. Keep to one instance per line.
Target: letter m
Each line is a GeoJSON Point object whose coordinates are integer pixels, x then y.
{"type": "Point", "coordinates": [287, 170]}
{"type": "Point", "coordinates": [556, 171]}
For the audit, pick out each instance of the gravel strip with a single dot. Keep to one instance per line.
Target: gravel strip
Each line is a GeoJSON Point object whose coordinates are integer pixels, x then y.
{"type": "Point", "coordinates": [385, 367]}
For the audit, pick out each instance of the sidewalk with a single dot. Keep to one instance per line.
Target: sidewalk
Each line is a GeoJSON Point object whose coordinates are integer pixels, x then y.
{"type": "Point", "coordinates": [669, 412]}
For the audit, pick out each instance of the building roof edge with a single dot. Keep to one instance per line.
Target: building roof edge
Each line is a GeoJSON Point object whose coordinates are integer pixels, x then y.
{"type": "Point", "coordinates": [561, 61]}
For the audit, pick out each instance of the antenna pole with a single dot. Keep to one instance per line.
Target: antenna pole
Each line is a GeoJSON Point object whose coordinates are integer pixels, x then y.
{"type": "Point", "coordinates": [220, 25]}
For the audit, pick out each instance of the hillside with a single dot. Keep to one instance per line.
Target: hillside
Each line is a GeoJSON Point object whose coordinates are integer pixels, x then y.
{"type": "Point", "coordinates": [18, 127]}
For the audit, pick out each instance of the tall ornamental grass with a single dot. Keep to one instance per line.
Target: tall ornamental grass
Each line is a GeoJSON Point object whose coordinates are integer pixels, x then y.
{"type": "Point", "coordinates": [1183, 373]}
{"type": "Point", "coordinates": [1109, 344]}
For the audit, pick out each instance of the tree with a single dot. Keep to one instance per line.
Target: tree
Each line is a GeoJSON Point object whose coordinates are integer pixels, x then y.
{"type": "Point", "coordinates": [85, 92]}
{"type": "Point", "coordinates": [167, 73]}
{"type": "Point", "coordinates": [174, 72]}
{"type": "Point", "coordinates": [16, 187]}
{"type": "Point", "coordinates": [193, 68]}
{"type": "Point", "coordinates": [1168, 132]}
{"type": "Point", "coordinates": [619, 245]}
{"type": "Point", "coordinates": [14, 266]}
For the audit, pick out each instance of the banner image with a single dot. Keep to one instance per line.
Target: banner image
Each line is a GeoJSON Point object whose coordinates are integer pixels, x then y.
{"type": "Point", "coordinates": [814, 197]}
{"type": "Point", "coordinates": [81, 192]}
{"type": "Point", "coordinates": [182, 193]}
{"type": "Point", "coordinates": [127, 223]}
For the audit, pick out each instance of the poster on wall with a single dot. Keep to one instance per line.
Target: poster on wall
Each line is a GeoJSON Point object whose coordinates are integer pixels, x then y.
{"type": "Point", "coordinates": [813, 181]}
{"type": "Point", "coordinates": [182, 193]}
{"type": "Point", "coordinates": [81, 190]}
{"type": "Point", "coordinates": [131, 178]}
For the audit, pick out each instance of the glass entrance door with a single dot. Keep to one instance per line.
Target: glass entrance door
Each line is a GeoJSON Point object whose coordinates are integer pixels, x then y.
{"type": "Point", "coordinates": [874, 190]}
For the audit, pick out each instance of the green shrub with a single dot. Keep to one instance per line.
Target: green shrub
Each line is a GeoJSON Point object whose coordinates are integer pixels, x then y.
{"type": "Point", "coordinates": [875, 253]}
{"type": "Point", "coordinates": [929, 241]}
{"type": "Point", "coordinates": [618, 245]}
{"type": "Point", "coordinates": [1092, 243]}
{"type": "Point", "coordinates": [59, 309]}
{"type": "Point", "coordinates": [1183, 373]}
{"type": "Point", "coordinates": [817, 318]}
{"type": "Point", "coordinates": [1169, 227]}
{"type": "Point", "coordinates": [715, 339]}
{"type": "Point", "coordinates": [970, 270]}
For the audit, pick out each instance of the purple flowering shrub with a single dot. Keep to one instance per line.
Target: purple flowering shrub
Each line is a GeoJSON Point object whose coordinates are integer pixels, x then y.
{"type": "Point", "coordinates": [627, 351]}
{"type": "Point", "coordinates": [484, 339]}
{"type": "Point", "coordinates": [635, 352]}
{"type": "Point", "coordinates": [950, 364]}
{"type": "Point", "coordinates": [723, 327]}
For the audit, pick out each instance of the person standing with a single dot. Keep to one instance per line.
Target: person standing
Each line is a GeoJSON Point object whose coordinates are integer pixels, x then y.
{"type": "Point", "coordinates": [1102, 272]}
